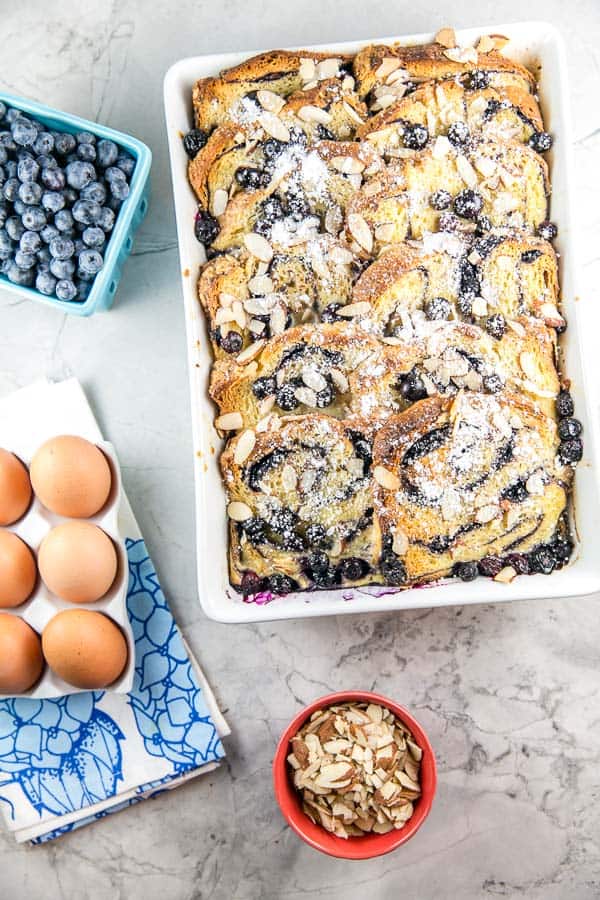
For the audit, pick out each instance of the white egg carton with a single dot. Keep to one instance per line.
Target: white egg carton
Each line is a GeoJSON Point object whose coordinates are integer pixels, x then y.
{"type": "Point", "coordinates": [43, 604]}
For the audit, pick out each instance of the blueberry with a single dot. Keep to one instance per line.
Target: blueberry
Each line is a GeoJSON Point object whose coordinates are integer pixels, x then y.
{"type": "Point", "coordinates": [570, 451]}
{"type": "Point", "coordinates": [44, 258]}
{"type": "Point", "coordinates": [193, 142]}
{"type": "Point", "coordinates": [459, 134]}
{"type": "Point", "coordinates": [564, 405]}
{"type": "Point", "coordinates": [107, 219]}
{"type": "Point", "coordinates": [316, 563]}
{"type": "Point", "coordinates": [2, 109]}
{"type": "Point", "coordinates": [264, 387]}
{"type": "Point", "coordinates": [297, 207]}
{"type": "Point", "coordinates": [62, 248]}
{"type": "Point", "coordinates": [251, 179]}
{"type": "Point", "coordinates": [324, 134]}
{"type": "Point", "coordinates": [34, 218]}
{"type": "Point", "coordinates": [44, 143]}
{"type": "Point", "coordinates": [85, 137]}
{"type": "Point", "coordinates": [87, 152]}
{"type": "Point", "coordinates": [206, 227]}
{"type": "Point", "coordinates": [62, 268]}
{"type": "Point", "coordinates": [126, 163]}
{"type": "Point", "coordinates": [254, 529]}
{"type": "Point", "coordinates": [86, 211]}
{"type": "Point", "coordinates": [106, 153]}
{"type": "Point", "coordinates": [412, 387]}
{"type": "Point", "coordinates": [93, 237]}
{"type": "Point", "coordinates": [24, 277]}
{"type": "Point", "coordinates": [19, 207]}
{"type": "Point", "coordinates": [14, 227]}
{"type": "Point", "coordinates": [83, 289]}
{"type": "Point", "coordinates": [477, 80]}
{"type": "Point", "coordinates": [324, 397]}
{"type": "Point", "coordinates": [393, 570]}
{"type": "Point", "coordinates": [24, 260]}
{"type": "Point", "coordinates": [65, 289]}
{"type": "Point", "coordinates": [10, 190]}
{"type": "Point", "coordinates": [484, 224]}
{"type": "Point", "coordinates": [415, 136]}
{"type": "Point", "coordinates": [30, 193]}
{"type": "Point", "coordinates": [286, 397]}
{"type": "Point", "coordinates": [353, 568]}
{"type": "Point", "coordinates": [466, 571]}
{"type": "Point", "coordinates": [94, 191]}
{"type": "Point", "coordinates": [231, 342]}
{"type": "Point", "coordinates": [45, 283]}
{"type": "Point", "coordinates": [272, 148]}
{"type": "Point", "coordinates": [10, 167]}
{"type": "Point", "coordinates": [3, 155]}
{"type": "Point", "coordinates": [6, 141]}
{"type": "Point", "coordinates": [330, 313]}
{"type": "Point", "coordinates": [12, 114]}
{"type": "Point", "coordinates": [547, 230]}
{"type": "Point", "coordinates": [468, 204]}
{"type": "Point", "coordinates": [490, 566]}
{"type": "Point", "coordinates": [269, 212]}
{"type": "Point", "coordinates": [2, 176]}
{"type": "Point", "coordinates": [53, 201]}
{"type": "Point", "coordinates": [438, 308]}
{"type": "Point", "coordinates": [27, 169]}
{"type": "Point", "coordinates": [496, 325]}
{"type": "Point", "coordinates": [64, 143]}
{"type": "Point", "coordinates": [114, 173]}
{"type": "Point", "coordinates": [53, 178]}
{"type": "Point", "coordinates": [24, 132]}
{"type": "Point", "coordinates": [542, 560]}
{"type": "Point", "coordinates": [64, 220]}
{"type": "Point", "coordinates": [316, 536]}
{"type": "Point", "coordinates": [562, 547]}
{"type": "Point", "coordinates": [46, 162]}
{"type": "Point", "coordinates": [569, 428]}
{"type": "Point", "coordinates": [540, 141]}
{"type": "Point", "coordinates": [281, 584]}
{"type": "Point", "coordinates": [48, 233]}
{"type": "Point", "coordinates": [119, 189]}
{"type": "Point", "coordinates": [493, 383]}
{"type": "Point", "coordinates": [6, 244]}
{"type": "Point", "coordinates": [252, 583]}
{"type": "Point", "coordinates": [448, 222]}
{"type": "Point", "coordinates": [90, 261]}
{"type": "Point", "coordinates": [80, 174]}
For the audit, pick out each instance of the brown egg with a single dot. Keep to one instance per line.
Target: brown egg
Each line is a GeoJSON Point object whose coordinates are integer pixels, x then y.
{"type": "Point", "coordinates": [21, 660]}
{"type": "Point", "coordinates": [18, 571]}
{"type": "Point", "coordinates": [71, 476]}
{"type": "Point", "coordinates": [78, 562]}
{"type": "Point", "coordinates": [15, 488]}
{"type": "Point", "coordinates": [86, 649]}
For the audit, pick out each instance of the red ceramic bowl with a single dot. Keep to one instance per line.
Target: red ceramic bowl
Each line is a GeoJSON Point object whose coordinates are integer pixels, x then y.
{"type": "Point", "coordinates": [369, 845]}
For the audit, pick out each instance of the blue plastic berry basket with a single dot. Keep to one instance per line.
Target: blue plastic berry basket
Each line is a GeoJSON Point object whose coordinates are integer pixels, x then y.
{"type": "Point", "coordinates": [127, 222]}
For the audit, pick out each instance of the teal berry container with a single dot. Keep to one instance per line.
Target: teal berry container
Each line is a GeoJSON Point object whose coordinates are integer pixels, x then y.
{"type": "Point", "coordinates": [128, 220]}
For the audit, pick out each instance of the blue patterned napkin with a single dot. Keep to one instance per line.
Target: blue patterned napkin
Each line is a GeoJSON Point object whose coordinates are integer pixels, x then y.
{"type": "Point", "coordinates": [65, 762]}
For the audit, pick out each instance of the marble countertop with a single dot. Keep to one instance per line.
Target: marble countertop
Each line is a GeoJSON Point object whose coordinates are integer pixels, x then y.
{"type": "Point", "coordinates": [508, 694]}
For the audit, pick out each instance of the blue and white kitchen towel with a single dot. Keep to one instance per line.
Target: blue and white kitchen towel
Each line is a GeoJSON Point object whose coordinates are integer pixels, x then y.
{"type": "Point", "coordinates": [67, 761]}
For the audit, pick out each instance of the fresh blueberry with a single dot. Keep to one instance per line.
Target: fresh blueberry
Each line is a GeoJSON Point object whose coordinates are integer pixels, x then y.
{"type": "Point", "coordinates": [119, 189]}
{"type": "Point", "coordinates": [106, 153]}
{"type": "Point", "coordinates": [438, 308]}
{"type": "Point", "coordinates": [107, 219]}
{"type": "Point", "coordinates": [468, 204]}
{"type": "Point", "coordinates": [570, 451]}
{"type": "Point", "coordinates": [10, 190]}
{"type": "Point", "coordinates": [44, 144]}
{"type": "Point", "coordinates": [80, 174]}
{"type": "Point", "coordinates": [126, 163]}
{"type": "Point", "coordinates": [34, 218]}
{"type": "Point", "coordinates": [542, 560]}
{"type": "Point", "coordinates": [24, 260]}
{"type": "Point", "coordinates": [30, 192]}
{"type": "Point", "coordinates": [24, 132]}
{"type": "Point", "coordinates": [459, 134]}
{"type": "Point", "coordinates": [44, 259]}
{"type": "Point", "coordinates": [71, 196]}
{"type": "Point", "coordinates": [53, 201]}
{"type": "Point", "coordinates": [569, 428]}
{"type": "Point", "coordinates": [466, 571]}
{"type": "Point", "coordinates": [490, 566]}
{"type": "Point", "coordinates": [86, 152]}
{"type": "Point", "coordinates": [6, 141]}
{"type": "Point", "coordinates": [496, 325]}
{"type": "Point", "coordinates": [94, 191]}
{"type": "Point", "coordinates": [62, 268]}
{"type": "Point", "coordinates": [547, 230]}
{"type": "Point", "coordinates": [90, 261]}
{"type": "Point", "coordinates": [415, 136]}
{"type": "Point", "coordinates": [64, 220]}
{"type": "Point", "coordinates": [86, 211]}
{"type": "Point", "coordinates": [45, 161]}
{"type": "Point", "coordinates": [564, 405]}
{"type": "Point", "coordinates": [24, 277]}
{"type": "Point", "coordinates": [193, 142]}
{"type": "Point", "coordinates": [19, 207]}
{"type": "Point", "coordinates": [65, 289]}
{"type": "Point", "coordinates": [85, 137]}
{"type": "Point", "coordinates": [14, 227]}
{"type": "Point", "coordinates": [477, 80]}
{"type": "Point", "coordinates": [48, 233]}
{"type": "Point", "coordinates": [206, 227]}
{"type": "Point", "coordinates": [12, 114]}
{"type": "Point", "coordinates": [45, 283]}
{"type": "Point", "coordinates": [53, 178]}
{"type": "Point", "coordinates": [264, 387]}
{"type": "Point", "coordinates": [3, 155]}
{"type": "Point", "coordinates": [540, 141]}
{"type": "Point", "coordinates": [231, 342]}
{"type": "Point", "coordinates": [10, 167]}
{"type": "Point", "coordinates": [252, 583]}
{"type": "Point", "coordinates": [6, 245]}
{"type": "Point", "coordinates": [83, 288]}
{"type": "Point", "coordinates": [2, 176]}
{"type": "Point", "coordinates": [93, 237]}
{"type": "Point", "coordinates": [27, 169]}
{"type": "Point", "coordinates": [412, 387]}
{"type": "Point", "coordinates": [2, 109]}
{"type": "Point", "coordinates": [62, 248]}
{"type": "Point", "coordinates": [114, 173]}
{"type": "Point", "coordinates": [64, 143]}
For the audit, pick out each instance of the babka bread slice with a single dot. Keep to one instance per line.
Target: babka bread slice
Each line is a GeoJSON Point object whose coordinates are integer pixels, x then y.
{"type": "Point", "coordinates": [499, 185]}
{"type": "Point", "coordinates": [385, 73]}
{"type": "Point", "coordinates": [490, 280]}
{"type": "Point", "coordinates": [300, 506]}
{"type": "Point", "coordinates": [252, 296]}
{"type": "Point", "coordinates": [331, 368]}
{"type": "Point", "coordinates": [463, 479]}
{"type": "Point", "coordinates": [281, 72]}
{"type": "Point", "coordinates": [450, 110]}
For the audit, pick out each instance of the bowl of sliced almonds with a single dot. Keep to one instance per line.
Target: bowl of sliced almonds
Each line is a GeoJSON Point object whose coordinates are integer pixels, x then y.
{"type": "Point", "coordinates": [354, 775]}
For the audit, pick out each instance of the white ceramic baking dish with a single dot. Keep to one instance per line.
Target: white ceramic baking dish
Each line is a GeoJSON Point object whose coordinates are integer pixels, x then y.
{"type": "Point", "coordinates": [534, 44]}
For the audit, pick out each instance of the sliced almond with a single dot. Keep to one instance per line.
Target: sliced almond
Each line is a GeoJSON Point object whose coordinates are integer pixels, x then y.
{"type": "Point", "coordinates": [360, 231]}
{"type": "Point", "coordinates": [400, 542]}
{"type": "Point", "coordinates": [220, 201]}
{"type": "Point", "coordinates": [289, 478]}
{"type": "Point", "coordinates": [275, 127]}
{"type": "Point", "coordinates": [306, 395]}
{"type": "Point", "coordinates": [385, 233]}
{"type": "Point", "coordinates": [258, 246]}
{"type": "Point", "coordinates": [270, 101]}
{"type": "Point", "coordinates": [238, 511]}
{"type": "Point", "coordinates": [388, 65]}
{"type": "Point", "coordinates": [446, 37]}
{"type": "Point", "coordinates": [528, 365]}
{"type": "Point", "coordinates": [487, 513]}
{"type": "Point", "coordinates": [223, 315]}
{"type": "Point", "coordinates": [479, 307]}
{"type": "Point", "coordinates": [351, 113]}
{"type": "Point", "coordinates": [226, 299]}
{"type": "Point", "coordinates": [229, 421]}
{"type": "Point", "coordinates": [466, 171]}
{"type": "Point", "coordinates": [313, 379]}
{"type": "Point", "coordinates": [244, 446]}
{"type": "Point", "coordinates": [506, 575]}
{"type": "Point", "coordinates": [307, 70]}
{"type": "Point", "coordinates": [441, 147]}
{"type": "Point", "coordinates": [277, 320]}
{"type": "Point", "coordinates": [349, 165]}
{"type": "Point", "coordinates": [535, 483]}
{"type": "Point", "coordinates": [340, 381]}
{"type": "Point", "coordinates": [314, 114]}
{"type": "Point", "coordinates": [462, 54]}
{"type": "Point", "coordinates": [328, 68]}
{"type": "Point", "coordinates": [354, 309]}
{"type": "Point", "coordinates": [260, 284]}
{"type": "Point", "coordinates": [485, 44]}
{"type": "Point", "coordinates": [385, 478]}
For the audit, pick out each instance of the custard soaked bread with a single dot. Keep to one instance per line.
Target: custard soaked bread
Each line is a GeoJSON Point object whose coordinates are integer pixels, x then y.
{"type": "Point", "coordinates": [383, 307]}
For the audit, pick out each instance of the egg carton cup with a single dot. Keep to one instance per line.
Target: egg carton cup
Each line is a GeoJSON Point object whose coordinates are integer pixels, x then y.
{"type": "Point", "coordinates": [127, 222]}
{"type": "Point", "coordinates": [43, 605]}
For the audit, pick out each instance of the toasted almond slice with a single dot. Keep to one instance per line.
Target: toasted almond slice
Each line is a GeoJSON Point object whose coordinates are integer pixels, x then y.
{"type": "Point", "coordinates": [528, 365]}
{"type": "Point", "coordinates": [277, 320]}
{"type": "Point", "coordinates": [398, 75]}
{"type": "Point", "coordinates": [506, 575]}
{"type": "Point", "coordinates": [270, 101]}
{"type": "Point", "coordinates": [223, 315]}
{"type": "Point", "coordinates": [258, 246]}
{"type": "Point", "coordinates": [466, 171]}
{"type": "Point", "coordinates": [383, 102]}
{"type": "Point", "coordinates": [479, 307]}
{"type": "Point", "coordinates": [313, 379]}
{"type": "Point", "coordinates": [314, 114]}
{"type": "Point", "coordinates": [226, 299]}
{"type": "Point", "coordinates": [340, 381]}
{"type": "Point", "coordinates": [516, 327]}
{"type": "Point", "coordinates": [446, 37]}
{"type": "Point", "coordinates": [400, 542]}
{"type": "Point", "coordinates": [306, 395]}
{"type": "Point", "coordinates": [244, 446]}
{"type": "Point", "coordinates": [360, 231]}
{"type": "Point", "coordinates": [441, 147]}
{"type": "Point", "coordinates": [354, 309]}
{"type": "Point", "coordinates": [219, 203]}
{"type": "Point", "coordinates": [487, 513]}
{"type": "Point", "coordinates": [328, 68]}
{"type": "Point", "coordinates": [275, 127]}
{"type": "Point", "coordinates": [307, 69]}
{"type": "Point", "coordinates": [289, 478]}
{"type": "Point", "coordinates": [229, 421]}
{"type": "Point", "coordinates": [351, 112]}
{"type": "Point", "coordinates": [250, 352]}
{"type": "Point", "coordinates": [238, 511]}
{"type": "Point", "coordinates": [385, 478]}
{"type": "Point", "coordinates": [260, 284]}
{"type": "Point", "coordinates": [385, 233]}
{"type": "Point", "coordinates": [349, 165]}
{"type": "Point", "coordinates": [485, 165]}
{"type": "Point", "coordinates": [535, 483]}
{"type": "Point", "coordinates": [388, 65]}
{"type": "Point", "coordinates": [462, 54]}
{"type": "Point", "coordinates": [485, 44]}
{"type": "Point", "coordinates": [500, 41]}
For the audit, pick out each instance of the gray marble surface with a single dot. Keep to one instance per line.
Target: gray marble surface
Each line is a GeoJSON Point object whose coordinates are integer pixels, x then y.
{"type": "Point", "coordinates": [509, 695]}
